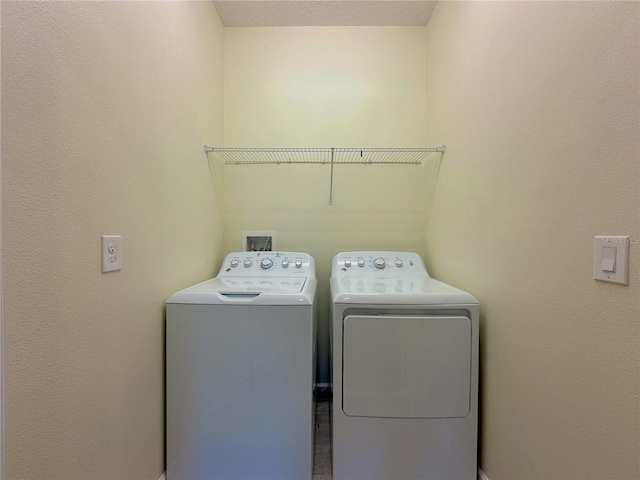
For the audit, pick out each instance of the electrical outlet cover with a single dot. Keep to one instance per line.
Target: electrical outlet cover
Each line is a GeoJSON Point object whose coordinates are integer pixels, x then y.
{"type": "Point", "coordinates": [111, 253]}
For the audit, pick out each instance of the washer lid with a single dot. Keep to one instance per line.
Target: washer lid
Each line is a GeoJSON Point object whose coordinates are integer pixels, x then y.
{"type": "Point", "coordinates": [390, 291]}
{"type": "Point", "coordinates": [249, 290]}
{"type": "Point", "coordinates": [243, 285]}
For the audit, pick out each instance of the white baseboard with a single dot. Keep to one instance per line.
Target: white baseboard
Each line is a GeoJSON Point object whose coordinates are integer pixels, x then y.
{"type": "Point", "coordinates": [481, 475]}
{"type": "Point", "coordinates": [163, 476]}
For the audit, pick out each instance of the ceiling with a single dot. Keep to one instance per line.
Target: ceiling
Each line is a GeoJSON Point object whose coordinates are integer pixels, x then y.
{"type": "Point", "coordinates": [292, 13]}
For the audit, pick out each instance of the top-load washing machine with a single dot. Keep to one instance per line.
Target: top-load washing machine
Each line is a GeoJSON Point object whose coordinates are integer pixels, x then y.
{"type": "Point", "coordinates": [240, 368]}
{"type": "Point", "coordinates": [405, 371]}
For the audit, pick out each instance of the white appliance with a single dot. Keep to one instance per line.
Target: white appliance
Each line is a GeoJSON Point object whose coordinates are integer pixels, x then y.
{"type": "Point", "coordinates": [405, 371]}
{"type": "Point", "coordinates": [240, 368]}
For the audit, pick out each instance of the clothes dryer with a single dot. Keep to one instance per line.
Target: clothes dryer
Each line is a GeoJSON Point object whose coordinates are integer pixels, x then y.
{"type": "Point", "coordinates": [240, 368]}
{"type": "Point", "coordinates": [405, 371]}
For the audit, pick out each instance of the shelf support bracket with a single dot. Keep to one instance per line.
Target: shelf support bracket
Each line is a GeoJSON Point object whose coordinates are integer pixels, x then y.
{"type": "Point", "coordinates": [331, 182]}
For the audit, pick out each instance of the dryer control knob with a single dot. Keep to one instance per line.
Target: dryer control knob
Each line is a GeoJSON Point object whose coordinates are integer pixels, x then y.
{"type": "Point", "coordinates": [266, 263]}
{"type": "Point", "coordinates": [347, 263]}
{"type": "Point", "coordinates": [298, 263]}
{"type": "Point", "coordinates": [234, 263]}
{"type": "Point", "coordinates": [361, 262]}
{"type": "Point", "coordinates": [398, 263]}
{"type": "Point", "coordinates": [248, 263]}
{"type": "Point", "coordinates": [285, 263]}
{"type": "Point", "coordinates": [379, 263]}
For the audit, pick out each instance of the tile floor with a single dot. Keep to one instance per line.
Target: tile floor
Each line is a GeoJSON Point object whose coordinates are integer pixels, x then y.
{"type": "Point", "coordinates": [322, 442]}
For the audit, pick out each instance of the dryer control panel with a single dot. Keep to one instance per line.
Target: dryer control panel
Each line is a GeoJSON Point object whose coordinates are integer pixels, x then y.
{"type": "Point", "coordinates": [379, 263]}
{"type": "Point", "coordinates": [268, 264]}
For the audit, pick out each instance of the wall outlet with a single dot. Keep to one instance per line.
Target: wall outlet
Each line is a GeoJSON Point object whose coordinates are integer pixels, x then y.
{"type": "Point", "coordinates": [258, 241]}
{"type": "Point", "coordinates": [111, 253]}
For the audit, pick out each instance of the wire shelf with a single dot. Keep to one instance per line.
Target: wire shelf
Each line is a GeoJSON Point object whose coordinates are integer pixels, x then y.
{"type": "Point", "coordinates": [332, 156]}
{"type": "Point", "coordinates": [323, 155]}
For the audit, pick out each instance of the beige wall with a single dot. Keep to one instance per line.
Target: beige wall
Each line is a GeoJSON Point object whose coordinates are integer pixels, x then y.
{"type": "Point", "coordinates": [539, 105]}
{"type": "Point", "coordinates": [105, 108]}
{"type": "Point", "coordinates": [325, 87]}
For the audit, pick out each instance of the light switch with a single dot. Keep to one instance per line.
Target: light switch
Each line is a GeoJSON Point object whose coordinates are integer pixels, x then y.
{"type": "Point", "coordinates": [608, 259]}
{"type": "Point", "coordinates": [611, 259]}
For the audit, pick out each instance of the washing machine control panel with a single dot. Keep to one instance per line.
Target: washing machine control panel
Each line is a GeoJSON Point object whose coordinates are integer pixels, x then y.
{"type": "Point", "coordinates": [382, 263]}
{"type": "Point", "coordinates": [268, 264]}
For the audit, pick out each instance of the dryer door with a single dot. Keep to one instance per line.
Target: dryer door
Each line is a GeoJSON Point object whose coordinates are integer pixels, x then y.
{"type": "Point", "coordinates": [406, 366]}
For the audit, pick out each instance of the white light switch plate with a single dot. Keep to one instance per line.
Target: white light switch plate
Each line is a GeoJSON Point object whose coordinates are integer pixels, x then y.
{"type": "Point", "coordinates": [611, 259]}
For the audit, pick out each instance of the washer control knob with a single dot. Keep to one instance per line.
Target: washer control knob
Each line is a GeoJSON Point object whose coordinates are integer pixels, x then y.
{"type": "Point", "coordinates": [347, 263]}
{"type": "Point", "coordinates": [398, 263]}
{"type": "Point", "coordinates": [361, 262]}
{"type": "Point", "coordinates": [248, 263]}
{"type": "Point", "coordinates": [285, 263]}
{"type": "Point", "coordinates": [379, 263]}
{"type": "Point", "coordinates": [298, 263]}
{"type": "Point", "coordinates": [234, 263]}
{"type": "Point", "coordinates": [266, 263]}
